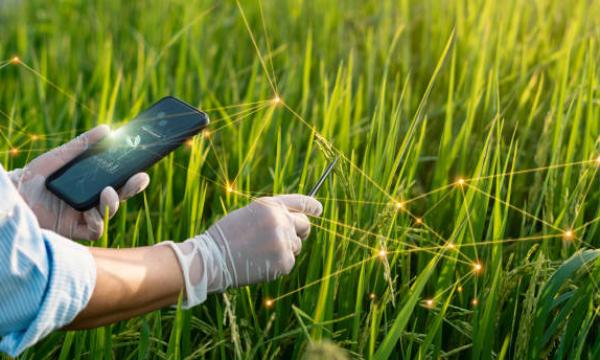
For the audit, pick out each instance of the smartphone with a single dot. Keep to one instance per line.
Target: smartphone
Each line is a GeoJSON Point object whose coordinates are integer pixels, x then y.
{"type": "Point", "coordinates": [126, 151]}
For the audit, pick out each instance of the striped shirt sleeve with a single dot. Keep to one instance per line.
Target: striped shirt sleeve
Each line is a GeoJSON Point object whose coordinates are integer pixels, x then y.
{"type": "Point", "coordinates": [45, 279]}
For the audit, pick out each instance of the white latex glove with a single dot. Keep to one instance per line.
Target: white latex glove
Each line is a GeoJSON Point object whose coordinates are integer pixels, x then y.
{"type": "Point", "coordinates": [53, 213]}
{"type": "Point", "coordinates": [253, 244]}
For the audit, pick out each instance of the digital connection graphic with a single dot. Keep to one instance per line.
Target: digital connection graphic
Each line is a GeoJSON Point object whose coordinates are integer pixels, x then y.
{"type": "Point", "coordinates": [431, 240]}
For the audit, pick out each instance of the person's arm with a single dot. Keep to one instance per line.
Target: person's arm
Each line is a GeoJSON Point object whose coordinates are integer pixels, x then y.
{"type": "Point", "coordinates": [253, 244]}
{"type": "Point", "coordinates": [45, 279]}
{"type": "Point", "coordinates": [130, 282]}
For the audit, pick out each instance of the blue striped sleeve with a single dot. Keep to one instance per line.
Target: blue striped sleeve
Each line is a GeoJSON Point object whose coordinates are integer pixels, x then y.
{"type": "Point", "coordinates": [45, 279]}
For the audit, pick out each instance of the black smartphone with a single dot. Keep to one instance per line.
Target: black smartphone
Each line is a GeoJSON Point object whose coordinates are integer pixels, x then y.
{"type": "Point", "coordinates": [126, 151]}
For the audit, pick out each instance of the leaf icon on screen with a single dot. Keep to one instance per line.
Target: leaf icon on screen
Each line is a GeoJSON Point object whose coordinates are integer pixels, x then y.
{"type": "Point", "coordinates": [133, 141]}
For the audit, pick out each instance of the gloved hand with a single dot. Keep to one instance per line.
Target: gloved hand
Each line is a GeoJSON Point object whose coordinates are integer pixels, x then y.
{"type": "Point", "coordinates": [253, 244]}
{"type": "Point", "coordinates": [53, 213]}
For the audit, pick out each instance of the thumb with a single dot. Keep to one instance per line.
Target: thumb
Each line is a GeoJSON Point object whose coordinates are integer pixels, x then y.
{"type": "Point", "coordinates": [53, 160]}
{"type": "Point", "coordinates": [300, 203]}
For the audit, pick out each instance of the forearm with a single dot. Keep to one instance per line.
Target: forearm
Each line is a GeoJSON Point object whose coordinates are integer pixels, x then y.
{"type": "Point", "coordinates": [130, 282]}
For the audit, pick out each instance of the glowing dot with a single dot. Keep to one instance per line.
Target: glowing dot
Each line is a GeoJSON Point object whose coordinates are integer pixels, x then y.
{"type": "Point", "coordinates": [418, 220]}
{"type": "Point", "coordinates": [460, 181]}
{"type": "Point", "coordinates": [569, 235]}
{"type": "Point", "coordinates": [189, 143]}
{"type": "Point", "coordinates": [477, 267]}
{"type": "Point", "coordinates": [15, 60]}
{"type": "Point", "coordinates": [276, 100]}
{"type": "Point", "coordinates": [229, 188]}
{"type": "Point", "coordinates": [474, 302]}
{"type": "Point", "coordinates": [399, 205]}
{"type": "Point", "coordinates": [13, 151]}
{"type": "Point", "coordinates": [34, 137]}
{"type": "Point", "coordinates": [450, 245]}
{"type": "Point", "coordinates": [269, 303]}
{"type": "Point", "coordinates": [372, 296]}
{"type": "Point", "coordinates": [429, 303]}
{"type": "Point", "coordinates": [598, 160]}
{"type": "Point", "coordinates": [459, 289]}
{"type": "Point", "coordinates": [206, 134]}
{"type": "Point", "coordinates": [382, 253]}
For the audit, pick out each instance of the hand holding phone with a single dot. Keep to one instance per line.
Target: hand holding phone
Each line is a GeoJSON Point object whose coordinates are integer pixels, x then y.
{"type": "Point", "coordinates": [126, 151]}
{"type": "Point", "coordinates": [51, 212]}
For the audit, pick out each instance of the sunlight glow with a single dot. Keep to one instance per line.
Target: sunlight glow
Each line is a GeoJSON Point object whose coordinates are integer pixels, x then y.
{"type": "Point", "coordinates": [460, 181]}
{"type": "Point", "coordinates": [568, 235]}
{"type": "Point", "coordinates": [276, 100]}
{"type": "Point", "coordinates": [113, 133]}
{"type": "Point", "coordinates": [477, 267]}
{"type": "Point", "coordinates": [382, 253]}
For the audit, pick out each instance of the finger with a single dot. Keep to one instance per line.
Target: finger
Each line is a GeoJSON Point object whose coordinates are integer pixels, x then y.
{"type": "Point", "coordinates": [135, 185]}
{"type": "Point", "coordinates": [91, 228]}
{"type": "Point", "coordinates": [53, 160]}
{"type": "Point", "coordinates": [294, 241]}
{"type": "Point", "coordinates": [301, 203]}
{"type": "Point", "coordinates": [108, 200]}
{"type": "Point", "coordinates": [296, 245]}
{"type": "Point", "coordinates": [301, 224]}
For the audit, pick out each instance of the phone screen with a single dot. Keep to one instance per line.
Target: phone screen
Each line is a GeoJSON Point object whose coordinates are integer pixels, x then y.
{"type": "Point", "coordinates": [126, 151]}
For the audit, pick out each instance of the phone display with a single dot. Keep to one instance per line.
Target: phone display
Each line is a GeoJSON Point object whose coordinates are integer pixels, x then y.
{"type": "Point", "coordinates": [126, 151]}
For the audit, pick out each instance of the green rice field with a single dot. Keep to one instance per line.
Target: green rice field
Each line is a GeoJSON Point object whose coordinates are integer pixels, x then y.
{"type": "Point", "coordinates": [463, 216]}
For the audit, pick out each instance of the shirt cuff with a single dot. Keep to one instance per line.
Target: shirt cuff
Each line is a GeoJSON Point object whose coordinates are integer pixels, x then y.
{"type": "Point", "coordinates": [71, 281]}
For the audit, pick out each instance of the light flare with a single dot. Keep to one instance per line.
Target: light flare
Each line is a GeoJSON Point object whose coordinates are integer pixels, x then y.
{"type": "Point", "coordinates": [269, 303]}
{"type": "Point", "coordinates": [569, 235]}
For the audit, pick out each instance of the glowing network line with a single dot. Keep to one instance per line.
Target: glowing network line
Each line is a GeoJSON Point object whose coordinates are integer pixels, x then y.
{"type": "Point", "coordinates": [430, 302]}
{"type": "Point", "coordinates": [268, 41]}
{"type": "Point", "coordinates": [467, 210]}
{"type": "Point", "coordinates": [69, 95]}
{"type": "Point", "coordinates": [239, 117]}
{"type": "Point", "coordinates": [525, 171]}
{"type": "Point", "coordinates": [252, 147]}
{"type": "Point", "coordinates": [317, 281]}
{"type": "Point", "coordinates": [523, 212]}
{"type": "Point", "coordinates": [260, 57]}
